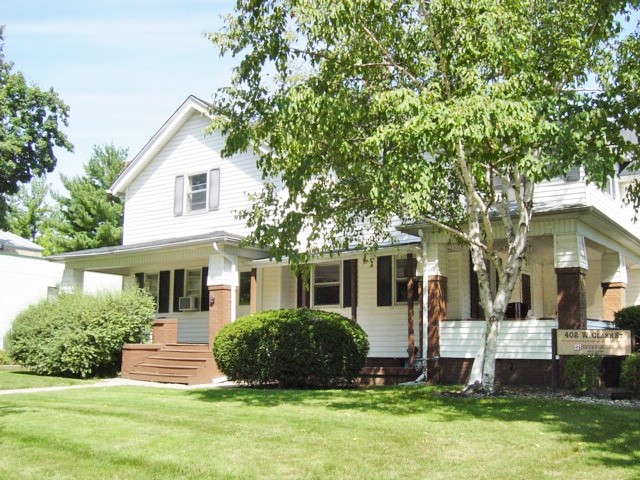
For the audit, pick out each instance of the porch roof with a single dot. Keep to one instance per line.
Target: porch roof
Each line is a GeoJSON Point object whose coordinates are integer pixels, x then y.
{"type": "Point", "coordinates": [119, 258]}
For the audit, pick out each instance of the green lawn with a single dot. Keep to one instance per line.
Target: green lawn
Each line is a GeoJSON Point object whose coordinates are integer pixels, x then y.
{"type": "Point", "coordinates": [412, 433]}
{"type": "Point", "coordinates": [12, 377]}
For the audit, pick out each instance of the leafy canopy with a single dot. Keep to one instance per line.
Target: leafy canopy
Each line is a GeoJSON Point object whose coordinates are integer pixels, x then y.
{"type": "Point", "coordinates": [381, 111]}
{"type": "Point", "coordinates": [30, 122]}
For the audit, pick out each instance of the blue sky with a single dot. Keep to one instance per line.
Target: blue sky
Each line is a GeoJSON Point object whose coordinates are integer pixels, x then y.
{"type": "Point", "coordinates": [122, 66]}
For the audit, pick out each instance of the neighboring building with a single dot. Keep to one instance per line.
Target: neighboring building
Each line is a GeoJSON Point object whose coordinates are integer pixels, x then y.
{"type": "Point", "coordinates": [26, 277]}
{"type": "Point", "coordinates": [182, 241]}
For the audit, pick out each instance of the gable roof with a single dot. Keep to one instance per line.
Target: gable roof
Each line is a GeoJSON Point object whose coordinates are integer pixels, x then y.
{"type": "Point", "coordinates": [158, 141]}
{"type": "Point", "coordinates": [11, 242]}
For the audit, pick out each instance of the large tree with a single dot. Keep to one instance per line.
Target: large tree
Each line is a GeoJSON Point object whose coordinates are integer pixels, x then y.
{"type": "Point", "coordinates": [28, 211]}
{"type": "Point", "coordinates": [89, 216]}
{"type": "Point", "coordinates": [444, 112]}
{"type": "Point", "coordinates": [30, 128]}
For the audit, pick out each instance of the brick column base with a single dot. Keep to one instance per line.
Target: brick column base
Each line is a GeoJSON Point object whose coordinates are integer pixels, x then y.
{"type": "Point", "coordinates": [614, 298]}
{"type": "Point", "coordinates": [572, 298]}
{"type": "Point", "coordinates": [219, 309]}
{"type": "Point", "coordinates": [437, 299]}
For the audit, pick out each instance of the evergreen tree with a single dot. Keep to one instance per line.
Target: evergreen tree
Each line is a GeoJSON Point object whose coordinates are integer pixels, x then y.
{"type": "Point", "coordinates": [89, 216]}
{"type": "Point", "coordinates": [27, 211]}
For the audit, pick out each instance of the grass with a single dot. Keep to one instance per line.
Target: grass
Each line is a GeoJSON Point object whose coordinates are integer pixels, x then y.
{"type": "Point", "coordinates": [390, 433]}
{"type": "Point", "coordinates": [13, 377]}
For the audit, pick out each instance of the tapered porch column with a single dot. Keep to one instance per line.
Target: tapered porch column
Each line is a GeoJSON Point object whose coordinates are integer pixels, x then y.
{"type": "Point", "coordinates": [614, 284]}
{"type": "Point", "coordinates": [571, 269]}
{"type": "Point", "coordinates": [222, 282]}
{"type": "Point", "coordinates": [72, 280]}
{"type": "Point", "coordinates": [434, 301]}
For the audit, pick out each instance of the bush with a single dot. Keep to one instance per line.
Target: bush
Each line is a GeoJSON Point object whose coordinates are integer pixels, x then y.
{"type": "Point", "coordinates": [4, 358]}
{"type": "Point", "coordinates": [630, 373]}
{"type": "Point", "coordinates": [295, 348]}
{"type": "Point", "coordinates": [628, 318]}
{"type": "Point", "coordinates": [80, 335]}
{"type": "Point", "coordinates": [582, 373]}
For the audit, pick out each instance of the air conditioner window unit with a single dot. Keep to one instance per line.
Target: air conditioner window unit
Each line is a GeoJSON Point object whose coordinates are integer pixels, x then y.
{"type": "Point", "coordinates": [189, 304]}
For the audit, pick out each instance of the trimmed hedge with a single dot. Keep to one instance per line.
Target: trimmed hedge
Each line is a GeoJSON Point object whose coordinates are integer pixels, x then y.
{"type": "Point", "coordinates": [582, 373]}
{"type": "Point", "coordinates": [293, 348]}
{"type": "Point", "coordinates": [628, 318]}
{"type": "Point", "coordinates": [79, 335]}
{"type": "Point", "coordinates": [630, 373]}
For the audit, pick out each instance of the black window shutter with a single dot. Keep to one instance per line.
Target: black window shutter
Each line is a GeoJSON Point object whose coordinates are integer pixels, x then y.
{"type": "Point", "coordinates": [349, 267]}
{"type": "Point", "coordinates": [139, 280]}
{"type": "Point", "coordinates": [384, 281]}
{"type": "Point", "coordinates": [204, 293]}
{"type": "Point", "coordinates": [178, 196]}
{"type": "Point", "coordinates": [178, 288]}
{"type": "Point", "coordinates": [164, 284]}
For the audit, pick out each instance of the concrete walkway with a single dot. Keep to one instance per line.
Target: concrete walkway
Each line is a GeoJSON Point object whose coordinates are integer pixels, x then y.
{"type": "Point", "coordinates": [119, 382]}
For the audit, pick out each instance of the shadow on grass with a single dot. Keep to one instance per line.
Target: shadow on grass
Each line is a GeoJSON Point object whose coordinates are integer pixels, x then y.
{"type": "Point", "coordinates": [613, 434]}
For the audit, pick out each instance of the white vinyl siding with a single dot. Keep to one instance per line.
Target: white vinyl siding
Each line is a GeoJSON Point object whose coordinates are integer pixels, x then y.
{"type": "Point", "coordinates": [150, 206]}
{"type": "Point", "coordinates": [518, 339]}
{"type": "Point", "coordinates": [193, 328]}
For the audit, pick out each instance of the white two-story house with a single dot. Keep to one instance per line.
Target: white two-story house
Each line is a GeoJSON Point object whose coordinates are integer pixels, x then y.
{"type": "Point", "coordinates": [182, 242]}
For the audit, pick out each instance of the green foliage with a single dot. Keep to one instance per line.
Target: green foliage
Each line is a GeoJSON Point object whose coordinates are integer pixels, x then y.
{"type": "Point", "coordinates": [630, 373]}
{"type": "Point", "coordinates": [89, 217]}
{"type": "Point", "coordinates": [582, 372]}
{"type": "Point", "coordinates": [28, 213]}
{"type": "Point", "coordinates": [443, 113]}
{"type": "Point", "coordinates": [629, 319]}
{"type": "Point", "coordinates": [30, 121]}
{"type": "Point", "coordinates": [80, 335]}
{"type": "Point", "coordinates": [295, 348]}
{"type": "Point", "coordinates": [4, 358]}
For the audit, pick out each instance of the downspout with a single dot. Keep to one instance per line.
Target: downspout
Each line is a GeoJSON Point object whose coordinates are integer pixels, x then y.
{"type": "Point", "coordinates": [234, 272]}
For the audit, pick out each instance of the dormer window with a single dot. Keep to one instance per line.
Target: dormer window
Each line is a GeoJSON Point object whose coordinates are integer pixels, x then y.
{"type": "Point", "coordinates": [199, 192]}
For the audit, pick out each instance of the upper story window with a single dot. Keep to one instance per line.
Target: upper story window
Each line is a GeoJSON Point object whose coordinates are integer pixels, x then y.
{"type": "Point", "coordinates": [199, 192]}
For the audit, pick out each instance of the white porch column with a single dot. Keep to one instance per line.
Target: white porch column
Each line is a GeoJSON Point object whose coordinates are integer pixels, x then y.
{"type": "Point", "coordinates": [72, 280]}
{"type": "Point", "coordinates": [223, 270]}
{"type": "Point", "coordinates": [570, 261]}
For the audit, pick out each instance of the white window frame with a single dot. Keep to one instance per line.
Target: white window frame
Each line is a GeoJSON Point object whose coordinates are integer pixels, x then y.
{"type": "Point", "coordinates": [397, 278]}
{"type": "Point", "coordinates": [184, 191]}
{"type": "Point", "coordinates": [188, 192]}
{"type": "Point", "coordinates": [155, 293]}
{"type": "Point", "coordinates": [316, 284]}
{"type": "Point", "coordinates": [197, 290]}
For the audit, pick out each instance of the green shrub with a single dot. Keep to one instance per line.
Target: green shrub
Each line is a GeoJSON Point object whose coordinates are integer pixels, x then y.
{"type": "Point", "coordinates": [80, 335]}
{"type": "Point", "coordinates": [628, 318]}
{"type": "Point", "coordinates": [295, 348]}
{"type": "Point", "coordinates": [4, 358]}
{"type": "Point", "coordinates": [582, 372]}
{"type": "Point", "coordinates": [630, 373]}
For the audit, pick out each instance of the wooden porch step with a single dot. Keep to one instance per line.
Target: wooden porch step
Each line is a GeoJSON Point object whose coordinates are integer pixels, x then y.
{"type": "Point", "coordinates": [187, 346]}
{"type": "Point", "coordinates": [173, 360]}
{"type": "Point", "coordinates": [163, 377]}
